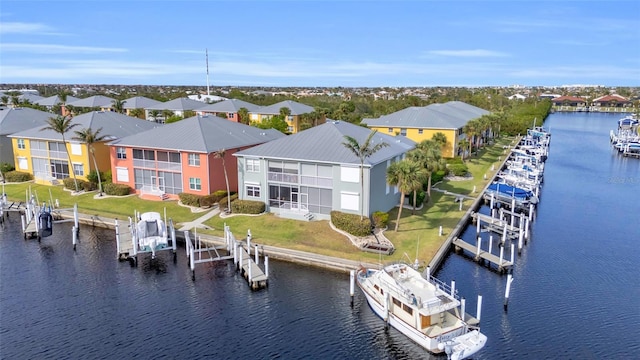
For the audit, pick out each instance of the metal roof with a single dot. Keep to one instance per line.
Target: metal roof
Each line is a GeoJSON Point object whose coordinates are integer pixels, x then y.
{"type": "Point", "coordinates": [113, 125]}
{"type": "Point", "coordinates": [229, 106]}
{"type": "Point", "coordinates": [296, 108]}
{"type": "Point", "coordinates": [139, 102]}
{"type": "Point", "coordinates": [325, 143]}
{"type": "Point", "coordinates": [13, 120]}
{"type": "Point", "coordinates": [179, 104]}
{"type": "Point", "coordinates": [204, 134]}
{"type": "Point", "coordinates": [450, 115]}
{"type": "Point", "coordinates": [55, 100]}
{"type": "Point", "coordinates": [92, 101]}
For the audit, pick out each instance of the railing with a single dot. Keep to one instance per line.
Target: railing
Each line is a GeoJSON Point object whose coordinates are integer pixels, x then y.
{"type": "Point", "coordinates": [283, 177]}
{"type": "Point", "coordinates": [151, 190]}
{"type": "Point", "coordinates": [39, 153]}
{"type": "Point", "coordinates": [149, 164]}
{"type": "Point", "coordinates": [316, 181]}
{"type": "Point", "coordinates": [169, 166]}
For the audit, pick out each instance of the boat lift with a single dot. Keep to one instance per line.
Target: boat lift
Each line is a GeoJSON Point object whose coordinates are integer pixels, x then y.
{"type": "Point", "coordinates": [199, 252]}
{"type": "Point", "coordinates": [129, 242]}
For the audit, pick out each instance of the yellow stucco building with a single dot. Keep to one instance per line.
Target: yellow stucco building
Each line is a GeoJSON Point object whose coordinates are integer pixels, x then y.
{"type": "Point", "coordinates": [421, 123]}
{"type": "Point", "coordinates": [42, 152]}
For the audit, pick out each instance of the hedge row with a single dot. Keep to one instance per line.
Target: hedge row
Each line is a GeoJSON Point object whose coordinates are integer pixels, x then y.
{"type": "Point", "coordinates": [116, 189]}
{"type": "Point", "coordinates": [458, 169]}
{"type": "Point", "coordinates": [204, 201]}
{"type": "Point", "coordinates": [248, 207]}
{"type": "Point", "coordinates": [419, 198]}
{"type": "Point", "coordinates": [223, 202]}
{"type": "Point", "coordinates": [351, 223]}
{"type": "Point", "coordinates": [82, 185]}
{"type": "Point", "coordinates": [17, 176]}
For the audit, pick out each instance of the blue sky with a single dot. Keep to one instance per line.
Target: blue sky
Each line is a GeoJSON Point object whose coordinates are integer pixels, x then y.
{"type": "Point", "coordinates": [321, 43]}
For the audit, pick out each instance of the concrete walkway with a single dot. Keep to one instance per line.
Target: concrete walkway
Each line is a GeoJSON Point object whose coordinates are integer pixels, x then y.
{"type": "Point", "coordinates": [198, 223]}
{"type": "Point", "coordinates": [454, 194]}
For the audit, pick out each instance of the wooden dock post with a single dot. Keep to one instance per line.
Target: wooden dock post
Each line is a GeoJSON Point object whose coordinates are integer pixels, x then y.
{"type": "Point", "coordinates": [490, 243]}
{"type": "Point", "coordinates": [478, 244]}
{"type": "Point", "coordinates": [453, 288]}
{"type": "Point", "coordinates": [479, 307]}
{"type": "Point", "coordinates": [257, 255]}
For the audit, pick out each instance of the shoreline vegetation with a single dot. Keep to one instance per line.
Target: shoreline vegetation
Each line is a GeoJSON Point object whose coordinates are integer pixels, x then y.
{"type": "Point", "coordinates": [418, 236]}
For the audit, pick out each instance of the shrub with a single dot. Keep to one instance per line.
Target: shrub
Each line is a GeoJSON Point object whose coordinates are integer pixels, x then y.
{"type": "Point", "coordinates": [438, 176]}
{"type": "Point", "coordinates": [351, 223]}
{"type": "Point", "coordinates": [419, 198]}
{"type": "Point", "coordinates": [248, 207]}
{"type": "Point", "coordinates": [190, 199]}
{"type": "Point", "coordinates": [380, 219]}
{"type": "Point", "coordinates": [70, 184]}
{"type": "Point", "coordinates": [87, 185]}
{"type": "Point", "coordinates": [207, 201]}
{"type": "Point", "coordinates": [6, 167]}
{"type": "Point", "coordinates": [107, 177]}
{"type": "Point", "coordinates": [117, 189]}
{"type": "Point", "coordinates": [218, 194]}
{"type": "Point", "coordinates": [223, 201]}
{"type": "Point", "coordinates": [458, 169]}
{"type": "Point", "coordinates": [93, 177]}
{"type": "Point", "coordinates": [17, 176]}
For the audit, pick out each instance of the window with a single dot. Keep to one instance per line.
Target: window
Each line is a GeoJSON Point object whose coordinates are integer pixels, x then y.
{"type": "Point", "coordinates": [349, 201]}
{"type": "Point", "coordinates": [350, 174]}
{"type": "Point", "coordinates": [420, 131]}
{"type": "Point", "coordinates": [396, 302]}
{"type": "Point", "coordinates": [230, 115]}
{"type": "Point", "coordinates": [76, 149]}
{"type": "Point", "coordinates": [194, 184]}
{"type": "Point", "coordinates": [252, 165]}
{"type": "Point", "coordinates": [390, 130]}
{"type": "Point", "coordinates": [121, 153]}
{"type": "Point", "coordinates": [408, 309]}
{"type": "Point", "coordinates": [194, 160]}
{"type": "Point", "coordinates": [78, 169]}
{"type": "Point", "coordinates": [22, 163]}
{"type": "Point", "coordinates": [290, 129]}
{"type": "Point", "coordinates": [403, 132]}
{"type": "Point", "coordinates": [21, 144]}
{"type": "Point", "coordinates": [122, 175]}
{"type": "Point", "coordinates": [253, 190]}
{"type": "Point", "coordinates": [144, 154]}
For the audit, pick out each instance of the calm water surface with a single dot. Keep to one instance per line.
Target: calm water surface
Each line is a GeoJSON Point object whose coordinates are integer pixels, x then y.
{"type": "Point", "coordinates": [575, 295]}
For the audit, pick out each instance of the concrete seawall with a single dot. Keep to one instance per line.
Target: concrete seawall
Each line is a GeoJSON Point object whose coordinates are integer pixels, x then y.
{"type": "Point", "coordinates": [444, 249]}
{"type": "Point", "coordinates": [302, 257]}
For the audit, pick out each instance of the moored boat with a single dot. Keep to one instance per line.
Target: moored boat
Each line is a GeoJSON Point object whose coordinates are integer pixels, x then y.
{"type": "Point", "coordinates": [425, 310]}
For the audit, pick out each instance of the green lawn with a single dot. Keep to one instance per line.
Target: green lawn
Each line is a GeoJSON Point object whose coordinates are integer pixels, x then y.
{"type": "Point", "coordinates": [417, 231]}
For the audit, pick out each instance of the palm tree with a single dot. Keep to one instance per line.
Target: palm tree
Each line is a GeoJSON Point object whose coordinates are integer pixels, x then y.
{"type": "Point", "coordinates": [471, 130]}
{"type": "Point", "coordinates": [62, 125]}
{"type": "Point", "coordinates": [243, 115]}
{"type": "Point", "coordinates": [220, 155]}
{"type": "Point", "coordinates": [138, 112]}
{"type": "Point", "coordinates": [464, 145]}
{"type": "Point", "coordinates": [154, 114]}
{"type": "Point", "coordinates": [118, 105]}
{"type": "Point", "coordinates": [5, 100]}
{"type": "Point", "coordinates": [407, 175]}
{"type": "Point", "coordinates": [363, 151]}
{"type": "Point", "coordinates": [90, 137]}
{"type": "Point", "coordinates": [428, 153]}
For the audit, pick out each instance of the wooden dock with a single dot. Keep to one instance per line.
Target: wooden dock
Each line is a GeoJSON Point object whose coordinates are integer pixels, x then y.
{"type": "Point", "coordinates": [124, 242]}
{"type": "Point", "coordinates": [483, 255]}
{"type": "Point", "coordinates": [248, 268]}
{"type": "Point", "coordinates": [496, 225]}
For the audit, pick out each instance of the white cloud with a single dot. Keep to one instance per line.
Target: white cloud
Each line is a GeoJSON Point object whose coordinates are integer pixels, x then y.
{"type": "Point", "coordinates": [25, 28]}
{"type": "Point", "coordinates": [468, 53]}
{"type": "Point", "coordinates": [57, 49]}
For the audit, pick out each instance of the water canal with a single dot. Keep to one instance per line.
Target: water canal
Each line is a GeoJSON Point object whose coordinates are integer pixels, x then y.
{"type": "Point", "coordinates": [576, 290]}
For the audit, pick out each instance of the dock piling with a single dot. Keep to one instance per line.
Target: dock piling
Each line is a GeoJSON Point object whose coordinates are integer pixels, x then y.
{"type": "Point", "coordinates": [257, 255]}
{"type": "Point", "coordinates": [463, 305]}
{"type": "Point", "coordinates": [479, 307]}
{"type": "Point", "coordinates": [507, 290]}
{"type": "Point", "coordinates": [352, 278]}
